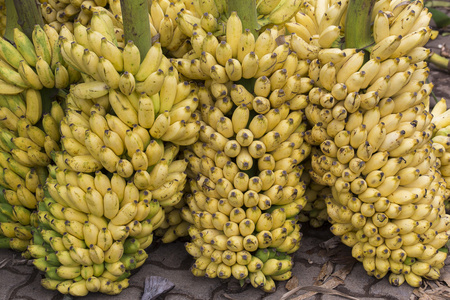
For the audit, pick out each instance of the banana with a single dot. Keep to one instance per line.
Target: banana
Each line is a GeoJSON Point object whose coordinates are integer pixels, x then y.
{"type": "Point", "coordinates": [380, 26]}
{"type": "Point", "coordinates": [10, 54]}
{"type": "Point", "coordinates": [329, 35]}
{"type": "Point", "coordinates": [10, 76]}
{"type": "Point", "coordinates": [90, 90]}
{"type": "Point", "coordinates": [352, 65]}
{"type": "Point", "coordinates": [25, 47]}
{"type": "Point", "coordinates": [150, 63]}
{"type": "Point", "coordinates": [386, 47]}
{"type": "Point", "coordinates": [123, 108]}
{"type": "Point", "coordinates": [303, 49]}
{"type": "Point", "coordinates": [84, 163]}
{"type": "Point", "coordinates": [29, 76]}
{"type": "Point", "coordinates": [113, 54]}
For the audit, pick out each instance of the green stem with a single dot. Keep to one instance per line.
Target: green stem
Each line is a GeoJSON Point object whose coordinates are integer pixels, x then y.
{"type": "Point", "coordinates": [246, 10]}
{"type": "Point", "coordinates": [358, 24]}
{"type": "Point", "coordinates": [11, 20]}
{"type": "Point", "coordinates": [29, 15]}
{"type": "Point", "coordinates": [437, 4]}
{"type": "Point", "coordinates": [440, 61]}
{"type": "Point", "coordinates": [136, 25]}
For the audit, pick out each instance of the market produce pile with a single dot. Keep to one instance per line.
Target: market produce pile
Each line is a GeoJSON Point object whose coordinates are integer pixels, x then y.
{"type": "Point", "coordinates": [226, 136]}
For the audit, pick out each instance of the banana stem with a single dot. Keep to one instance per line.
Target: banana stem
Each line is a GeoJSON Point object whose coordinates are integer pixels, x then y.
{"type": "Point", "coordinates": [440, 61]}
{"type": "Point", "coordinates": [136, 24]}
{"type": "Point", "coordinates": [358, 24]}
{"type": "Point", "coordinates": [29, 15]}
{"type": "Point", "coordinates": [11, 20]}
{"type": "Point", "coordinates": [437, 4]}
{"type": "Point", "coordinates": [247, 13]}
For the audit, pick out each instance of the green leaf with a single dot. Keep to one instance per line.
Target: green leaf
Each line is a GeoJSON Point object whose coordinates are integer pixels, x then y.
{"type": "Point", "coordinates": [440, 18]}
{"type": "Point", "coordinates": [242, 282]}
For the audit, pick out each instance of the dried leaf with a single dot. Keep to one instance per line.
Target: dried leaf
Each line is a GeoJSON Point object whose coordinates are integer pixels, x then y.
{"type": "Point", "coordinates": [156, 286]}
{"type": "Point", "coordinates": [344, 271]}
{"type": "Point", "coordinates": [445, 51]}
{"type": "Point", "coordinates": [325, 272]}
{"type": "Point", "coordinates": [445, 277]}
{"type": "Point", "coordinates": [331, 243]}
{"type": "Point", "coordinates": [229, 297]}
{"type": "Point", "coordinates": [441, 292]}
{"type": "Point", "coordinates": [330, 284]}
{"type": "Point", "coordinates": [280, 40]}
{"type": "Point", "coordinates": [4, 262]}
{"type": "Point", "coordinates": [292, 283]}
{"type": "Point", "coordinates": [322, 290]}
{"type": "Point", "coordinates": [343, 259]}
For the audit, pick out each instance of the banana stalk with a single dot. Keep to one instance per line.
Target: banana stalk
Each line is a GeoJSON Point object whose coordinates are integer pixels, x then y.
{"type": "Point", "coordinates": [136, 25]}
{"type": "Point", "coordinates": [358, 24]}
{"type": "Point", "coordinates": [11, 20]}
{"type": "Point", "coordinates": [28, 15]}
{"type": "Point", "coordinates": [440, 61]}
{"type": "Point", "coordinates": [247, 14]}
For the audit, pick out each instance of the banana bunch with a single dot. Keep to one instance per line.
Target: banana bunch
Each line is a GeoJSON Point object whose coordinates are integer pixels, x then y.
{"type": "Point", "coordinates": [24, 155]}
{"type": "Point", "coordinates": [372, 123]}
{"type": "Point", "coordinates": [231, 239]}
{"type": "Point", "coordinates": [172, 22]}
{"type": "Point", "coordinates": [317, 25]}
{"type": "Point", "coordinates": [59, 14]}
{"type": "Point", "coordinates": [34, 63]}
{"type": "Point", "coordinates": [315, 210]}
{"type": "Point", "coordinates": [441, 133]}
{"type": "Point", "coordinates": [92, 231]}
{"type": "Point", "coordinates": [242, 200]}
{"type": "Point", "coordinates": [149, 95]}
{"type": "Point", "coordinates": [174, 225]}
{"type": "Point", "coordinates": [150, 166]}
{"type": "Point", "coordinates": [277, 12]}
{"type": "Point", "coordinates": [16, 220]}
{"type": "Point", "coordinates": [245, 191]}
{"type": "Point", "coordinates": [240, 55]}
{"type": "Point", "coordinates": [393, 216]}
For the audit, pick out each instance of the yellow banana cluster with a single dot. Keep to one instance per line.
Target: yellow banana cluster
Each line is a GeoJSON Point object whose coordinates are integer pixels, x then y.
{"type": "Point", "coordinates": [245, 191]}
{"type": "Point", "coordinates": [92, 231]}
{"type": "Point", "coordinates": [276, 11]}
{"type": "Point", "coordinates": [440, 144]}
{"type": "Point", "coordinates": [24, 155]}
{"type": "Point", "coordinates": [34, 63]}
{"type": "Point", "coordinates": [29, 134]}
{"type": "Point", "coordinates": [314, 211]}
{"type": "Point", "coordinates": [232, 239]}
{"type": "Point", "coordinates": [146, 94]}
{"type": "Point", "coordinates": [62, 15]}
{"type": "Point", "coordinates": [93, 140]}
{"type": "Point", "coordinates": [372, 124]}
{"type": "Point", "coordinates": [176, 23]}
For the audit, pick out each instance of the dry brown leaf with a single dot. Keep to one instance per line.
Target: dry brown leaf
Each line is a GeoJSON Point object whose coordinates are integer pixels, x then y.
{"type": "Point", "coordinates": [330, 284]}
{"type": "Point", "coordinates": [441, 292]}
{"type": "Point", "coordinates": [331, 243]}
{"type": "Point", "coordinates": [292, 283]}
{"type": "Point", "coordinates": [445, 51]}
{"type": "Point", "coordinates": [229, 297]}
{"type": "Point", "coordinates": [344, 271]}
{"type": "Point", "coordinates": [322, 290]}
{"type": "Point", "coordinates": [445, 277]}
{"type": "Point", "coordinates": [343, 259]}
{"type": "Point", "coordinates": [4, 263]}
{"type": "Point", "coordinates": [325, 272]}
